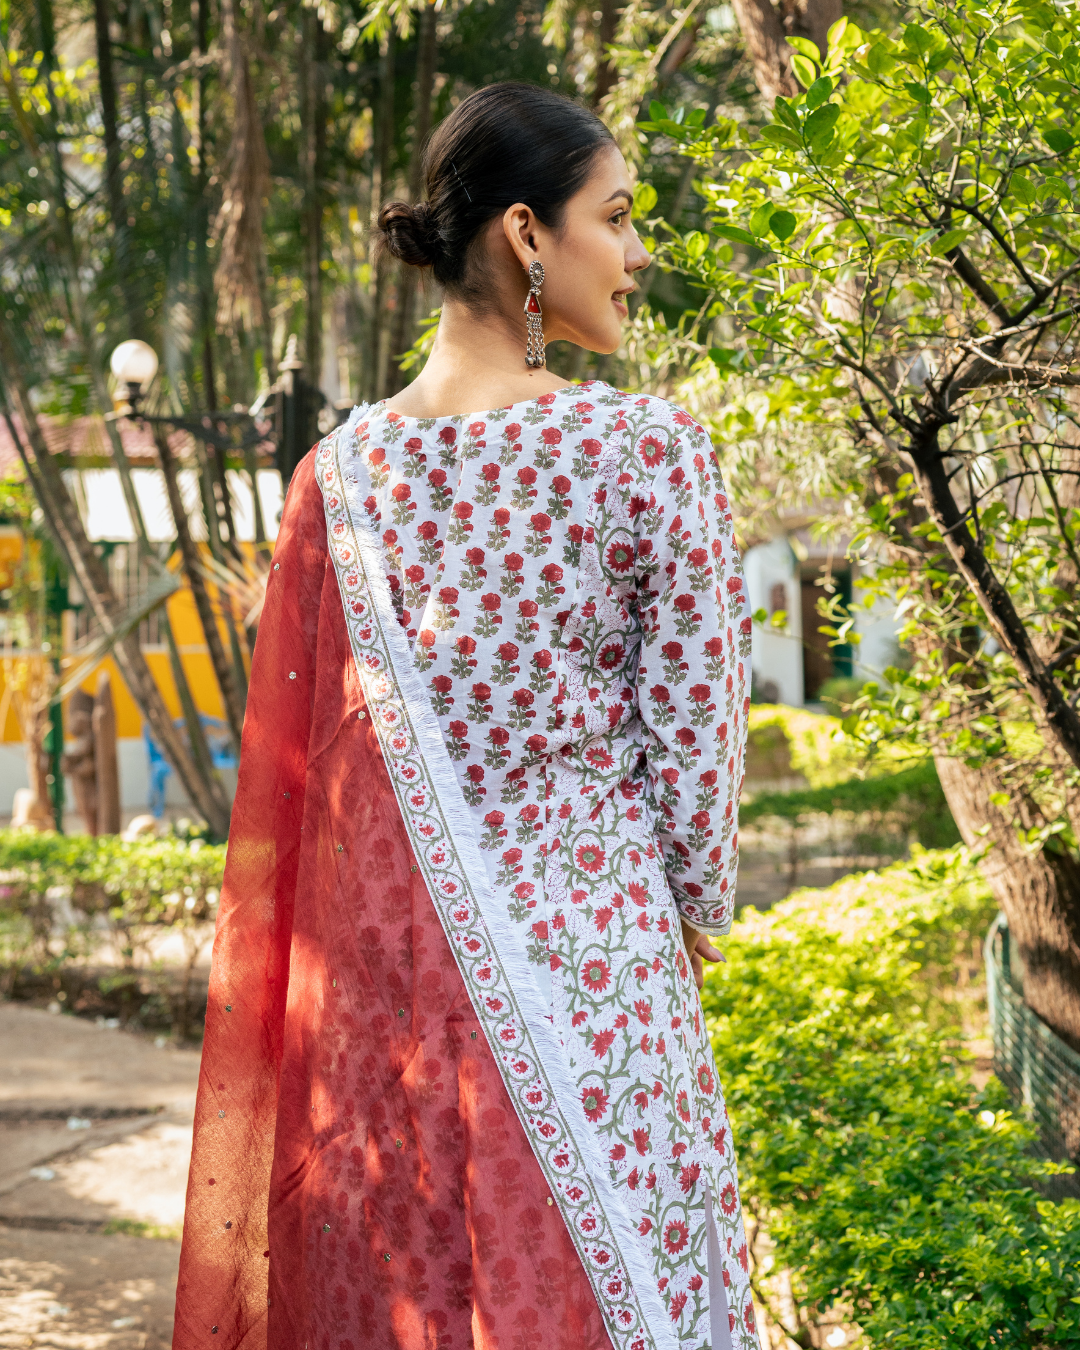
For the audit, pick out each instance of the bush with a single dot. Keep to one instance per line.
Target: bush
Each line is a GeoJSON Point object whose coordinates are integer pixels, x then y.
{"type": "Point", "coordinates": [880, 803]}
{"type": "Point", "coordinates": [908, 802]}
{"type": "Point", "coordinates": [784, 741]}
{"type": "Point", "coordinates": [893, 1193]}
{"type": "Point", "coordinates": [70, 901]}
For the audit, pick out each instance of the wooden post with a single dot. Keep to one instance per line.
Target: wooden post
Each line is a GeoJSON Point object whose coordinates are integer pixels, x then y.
{"type": "Point", "coordinates": [79, 762]}
{"type": "Point", "coordinates": [108, 771]}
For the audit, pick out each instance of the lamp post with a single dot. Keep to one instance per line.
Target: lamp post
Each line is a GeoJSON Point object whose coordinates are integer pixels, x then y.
{"type": "Point", "coordinates": [134, 365]}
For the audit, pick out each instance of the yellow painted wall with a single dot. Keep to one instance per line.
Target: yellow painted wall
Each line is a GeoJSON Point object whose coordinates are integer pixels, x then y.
{"type": "Point", "coordinates": [194, 657]}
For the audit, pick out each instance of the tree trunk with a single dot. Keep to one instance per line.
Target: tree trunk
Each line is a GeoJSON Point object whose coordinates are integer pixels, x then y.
{"type": "Point", "coordinates": [313, 154]}
{"type": "Point", "coordinates": [380, 194]}
{"type": "Point", "coordinates": [114, 185]}
{"type": "Point", "coordinates": [240, 277]}
{"type": "Point", "coordinates": [605, 36]}
{"type": "Point", "coordinates": [407, 276]}
{"type": "Point", "coordinates": [208, 797]}
{"type": "Point", "coordinates": [105, 763]}
{"type": "Point", "coordinates": [39, 812]}
{"type": "Point", "coordinates": [230, 695]}
{"type": "Point", "coordinates": [218, 503]}
{"type": "Point", "coordinates": [1039, 893]}
{"type": "Point", "coordinates": [765, 29]}
{"type": "Point", "coordinates": [83, 326]}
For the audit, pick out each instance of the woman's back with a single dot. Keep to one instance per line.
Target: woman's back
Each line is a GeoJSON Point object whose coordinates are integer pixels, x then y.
{"type": "Point", "coordinates": [565, 571]}
{"type": "Point", "coordinates": [552, 563]}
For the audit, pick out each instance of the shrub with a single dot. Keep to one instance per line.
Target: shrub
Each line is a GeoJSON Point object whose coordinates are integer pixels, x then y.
{"type": "Point", "coordinates": [910, 801]}
{"type": "Point", "coordinates": [892, 1191]}
{"type": "Point", "coordinates": [75, 900]}
{"type": "Point", "coordinates": [784, 741]}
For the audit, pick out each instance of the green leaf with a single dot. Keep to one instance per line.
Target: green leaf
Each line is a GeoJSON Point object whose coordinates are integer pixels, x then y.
{"type": "Point", "coordinates": [644, 199]}
{"type": "Point", "coordinates": [695, 244]}
{"type": "Point", "coordinates": [806, 47]}
{"type": "Point", "coordinates": [918, 40]}
{"type": "Point", "coordinates": [948, 241]}
{"type": "Point", "coordinates": [781, 136]}
{"type": "Point", "coordinates": [759, 221]}
{"type": "Point", "coordinates": [657, 111]}
{"type": "Point", "coordinates": [836, 32]}
{"type": "Point", "coordinates": [734, 233]}
{"type": "Point", "coordinates": [786, 113]}
{"type": "Point", "coordinates": [722, 357]}
{"type": "Point", "coordinates": [819, 91]}
{"type": "Point", "coordinates": [782, 224]}
{"type": "Point", "coordinates": [1058, 140]}
{"type": "Point", "coordinates": [879, 61]}
{"type": "Point", "coordinates": [820, 124]}
{"type": "Point", "coordinates": [805, 70]}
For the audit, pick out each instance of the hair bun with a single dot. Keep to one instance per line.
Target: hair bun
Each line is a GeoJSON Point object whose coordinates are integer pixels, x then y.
{"type": "Point", "coordinates": [409, 233]}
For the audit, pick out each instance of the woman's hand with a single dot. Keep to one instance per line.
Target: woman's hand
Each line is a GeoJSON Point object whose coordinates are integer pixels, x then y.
{"type": "Point", "coordinates": [699, 949]}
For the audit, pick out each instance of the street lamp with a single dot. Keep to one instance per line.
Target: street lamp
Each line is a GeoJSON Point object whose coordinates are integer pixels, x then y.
{"type": "Point", "coordinates": [295, 410]}
{"type": "Point", "coordinates": [134, 365]}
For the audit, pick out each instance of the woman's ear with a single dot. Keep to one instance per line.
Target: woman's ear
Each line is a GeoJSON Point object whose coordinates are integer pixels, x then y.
{"type": "Point", "coordinates": [519, 226]}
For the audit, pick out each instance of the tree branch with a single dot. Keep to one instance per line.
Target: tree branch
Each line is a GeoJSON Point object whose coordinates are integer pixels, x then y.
{"type": "Point", "coordinates": [972, 563]}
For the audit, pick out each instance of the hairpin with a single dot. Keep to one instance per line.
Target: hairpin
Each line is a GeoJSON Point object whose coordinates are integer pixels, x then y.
{"type": "Point", "coordinates": [461, 185]}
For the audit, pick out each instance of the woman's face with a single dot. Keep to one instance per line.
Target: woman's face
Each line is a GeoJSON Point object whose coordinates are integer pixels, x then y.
{"type": "Point", "coordinates": [588, 262]}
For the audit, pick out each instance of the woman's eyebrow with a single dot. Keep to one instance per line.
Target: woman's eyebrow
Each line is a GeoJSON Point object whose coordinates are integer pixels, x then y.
{"type": "Point", "coordinates": [619, 192]}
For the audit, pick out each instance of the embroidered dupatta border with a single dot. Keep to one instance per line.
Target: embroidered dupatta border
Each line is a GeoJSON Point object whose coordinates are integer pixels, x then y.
{"type": "Point", "coordinates": [497, 977]}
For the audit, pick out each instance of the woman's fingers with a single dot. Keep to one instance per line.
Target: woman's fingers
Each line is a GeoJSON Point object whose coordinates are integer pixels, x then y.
{"type": "Point", "coordinates": [699, 949]}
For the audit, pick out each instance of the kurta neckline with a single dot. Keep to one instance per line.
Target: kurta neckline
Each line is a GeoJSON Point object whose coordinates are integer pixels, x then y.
{"type": "Point", "coordinates": [507, 408]}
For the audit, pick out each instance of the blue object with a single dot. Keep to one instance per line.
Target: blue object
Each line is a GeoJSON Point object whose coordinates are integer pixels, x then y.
{"type": "Point", "coordinates": [221, 756]}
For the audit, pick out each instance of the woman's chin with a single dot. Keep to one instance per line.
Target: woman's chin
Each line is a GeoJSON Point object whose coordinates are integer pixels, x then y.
{"type": "Point", "coordinates": [605, 343]}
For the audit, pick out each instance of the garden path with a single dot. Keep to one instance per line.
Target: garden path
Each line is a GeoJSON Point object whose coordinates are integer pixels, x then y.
{"type": "Point", "coordinates": [95, 1135]}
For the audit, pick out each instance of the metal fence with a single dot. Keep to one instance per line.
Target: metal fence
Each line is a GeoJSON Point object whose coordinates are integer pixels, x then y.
{"type": "Point", "coordinates": [1041, 1072]}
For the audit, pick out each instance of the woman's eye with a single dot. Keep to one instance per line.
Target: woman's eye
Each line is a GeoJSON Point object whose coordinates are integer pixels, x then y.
{"type": "Point", "coordinates": [617, 218]}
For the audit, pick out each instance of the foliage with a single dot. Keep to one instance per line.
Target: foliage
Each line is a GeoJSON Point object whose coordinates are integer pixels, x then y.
{"type": "Point", "coordinates": [912, 797]}
{"type": "Point", "coordinates": [99, 249]}
{"type": "Point", "coordinates": [817, 747]}
{"type": "Point", "coordinates": [897, 1197]}
{"type": "Point", "coordinates": [782, 741]}
{"type": "Point", "coordinates": [894, 262]}
{"type": "Point", "coordinates": [75, 900]}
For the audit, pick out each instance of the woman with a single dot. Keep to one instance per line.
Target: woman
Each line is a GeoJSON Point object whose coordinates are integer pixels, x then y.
{"type": "Point", "coordinates": [457, 1089]}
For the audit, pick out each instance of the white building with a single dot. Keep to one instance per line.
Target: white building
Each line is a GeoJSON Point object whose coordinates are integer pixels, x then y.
{"type": "Point", "coordinates": [791, 663]}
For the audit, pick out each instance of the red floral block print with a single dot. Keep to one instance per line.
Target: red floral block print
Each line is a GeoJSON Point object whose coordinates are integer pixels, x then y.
{"type": "Point", "coordinates": [592, 688]}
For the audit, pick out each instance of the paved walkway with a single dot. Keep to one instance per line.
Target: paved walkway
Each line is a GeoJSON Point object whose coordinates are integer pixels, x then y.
{"type": "Point", "coordinates": [95, 1134]}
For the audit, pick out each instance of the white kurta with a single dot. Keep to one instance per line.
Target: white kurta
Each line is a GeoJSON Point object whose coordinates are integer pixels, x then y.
{"type": "Point", "coordinates": [566, 575]}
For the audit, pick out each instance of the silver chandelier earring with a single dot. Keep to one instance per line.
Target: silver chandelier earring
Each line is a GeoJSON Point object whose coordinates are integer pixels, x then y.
{"type": "Point", "coordinates": [534, 317]}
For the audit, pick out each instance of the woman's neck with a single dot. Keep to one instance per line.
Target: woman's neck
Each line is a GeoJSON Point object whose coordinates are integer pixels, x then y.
{"type": "Point", "coordinates": [477, 362]}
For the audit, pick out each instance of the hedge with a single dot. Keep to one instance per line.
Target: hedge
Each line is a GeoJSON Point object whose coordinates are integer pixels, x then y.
{"type": "Point", "coordinates": [896, 1196]}
{"type": "Point", "coordinates": [102, 906]}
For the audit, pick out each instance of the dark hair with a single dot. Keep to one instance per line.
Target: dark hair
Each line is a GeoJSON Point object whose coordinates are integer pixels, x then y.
{"type": "Point", "coordinates": [503, 144]}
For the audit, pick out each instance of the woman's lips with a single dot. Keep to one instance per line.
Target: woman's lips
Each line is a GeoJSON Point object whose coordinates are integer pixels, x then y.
{"type": "Point", "coordinates": [620, 304]}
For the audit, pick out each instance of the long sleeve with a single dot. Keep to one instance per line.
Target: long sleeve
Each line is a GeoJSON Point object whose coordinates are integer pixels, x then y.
{"type": "Point", "coordinates": [694, 670]}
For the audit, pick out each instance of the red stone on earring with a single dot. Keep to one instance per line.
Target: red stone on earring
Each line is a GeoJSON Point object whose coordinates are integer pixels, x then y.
{"type": "Point", "coordinates": [534, 305]}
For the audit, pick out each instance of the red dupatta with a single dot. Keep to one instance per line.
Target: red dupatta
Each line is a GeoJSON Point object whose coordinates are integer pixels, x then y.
{"type": "Point", "coordinates": [360, 1176]}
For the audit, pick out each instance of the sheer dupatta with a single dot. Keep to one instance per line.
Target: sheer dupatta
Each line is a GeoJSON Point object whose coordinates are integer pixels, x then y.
{"type": "Point", "coordinates": [361, 1173]}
